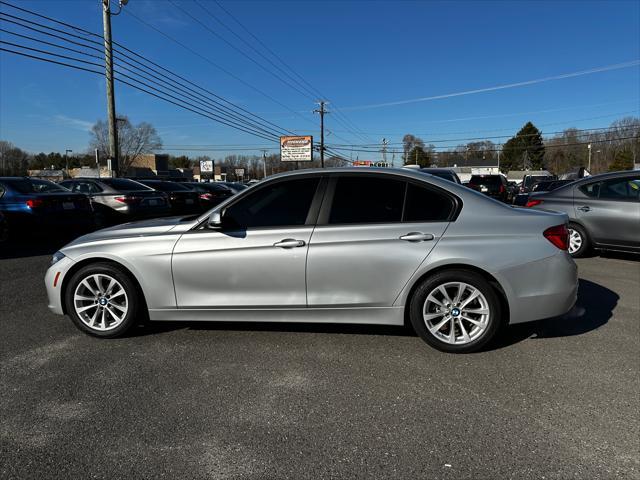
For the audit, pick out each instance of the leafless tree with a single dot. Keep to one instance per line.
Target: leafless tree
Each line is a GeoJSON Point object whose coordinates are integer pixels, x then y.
{"type": "Point", "coordinates": [133, 140]}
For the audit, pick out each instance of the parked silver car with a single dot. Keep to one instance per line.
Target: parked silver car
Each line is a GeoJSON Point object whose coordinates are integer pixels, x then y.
{"type": "Point", "coordinates": [374, 246]}
{"type": "Point", "coordinates": [603, 211]}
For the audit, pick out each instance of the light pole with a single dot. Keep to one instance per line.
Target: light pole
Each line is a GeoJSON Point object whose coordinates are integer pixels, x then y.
{"type": "Point", "coordinates": [589, 167]}
{"type": "Point", "coordinates": [66, 159]}
{"type": "Point", "coordinates": [108, 69]}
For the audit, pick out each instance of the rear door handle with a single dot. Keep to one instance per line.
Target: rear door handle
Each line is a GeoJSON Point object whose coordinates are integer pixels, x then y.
{"type": "Point", "coordinates": [416, 237]}
{"type": "Point", "coordinates": [289, 243]}
{"type": "Point", "coordinates": [584, 208]}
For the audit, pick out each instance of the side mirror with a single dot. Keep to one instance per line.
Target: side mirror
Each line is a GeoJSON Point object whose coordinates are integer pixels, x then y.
{"type": "Point", "coordinates": [215, 221]}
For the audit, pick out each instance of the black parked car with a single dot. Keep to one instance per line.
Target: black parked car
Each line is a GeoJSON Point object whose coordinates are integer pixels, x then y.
{"type": "Point", "coordinates": [546, 186]}
{"type": "Point", "coordinates": [445, 173]}
{"type": "Point", "coordinates": [182, 199]}
{"type": "Point", "coordinates": [4, 229]}
{"type": "Point", "coordinates": [494, 186]}
{"type": "Point", "coordinates": [119, 199]}
{"type": "Point", "coordinates": [235, 187]}
{"type": "Point", "coordinates": [40, 206]}
{"type": "Point", "coordinates": [211, 194]}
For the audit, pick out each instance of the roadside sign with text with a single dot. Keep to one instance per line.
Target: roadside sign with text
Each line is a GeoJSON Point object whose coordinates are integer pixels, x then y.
{"type": "Point", "coordinates": [240, 172]}
{"type": "Point", "coordinates": [206, 166]}
{"type": "Point", "coordinates": [296, 149]}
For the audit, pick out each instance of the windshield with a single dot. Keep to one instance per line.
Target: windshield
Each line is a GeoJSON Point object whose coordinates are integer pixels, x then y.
{"type": "Point", "coordinates": [33, 185]}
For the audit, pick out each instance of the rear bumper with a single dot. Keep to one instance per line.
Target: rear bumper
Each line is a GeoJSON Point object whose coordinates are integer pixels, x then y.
{"type": "Point", "coordinates": [541, 289]}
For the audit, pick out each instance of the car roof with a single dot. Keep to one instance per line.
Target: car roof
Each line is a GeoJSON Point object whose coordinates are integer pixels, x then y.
{"type": "Point", "coordinates": [443, 170]}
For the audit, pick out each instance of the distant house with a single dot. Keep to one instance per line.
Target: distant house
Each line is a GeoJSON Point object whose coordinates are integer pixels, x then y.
{"type": "Point", "coordinates": [464, 168]}
{"type": "Point", "coordinates": [47, 174]}
{"type": "Point", "coordinates": [518, 175]}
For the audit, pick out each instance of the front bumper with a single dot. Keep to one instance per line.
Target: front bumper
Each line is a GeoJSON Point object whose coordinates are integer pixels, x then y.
{"type": "Point", "coordinates": [542, 289]}
{"type": "Point", "coordinates": [54, 285]}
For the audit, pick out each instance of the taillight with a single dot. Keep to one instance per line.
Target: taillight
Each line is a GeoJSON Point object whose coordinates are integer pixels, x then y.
{"type": "Point", "coordinates": [558, 235]}
{"type": "Point", "coordinates": [533, 203]}
{"type": "Point", "coordinates": [36, 202]}
{"type": "Point", "coordinates": [205, 196]}
{"type": "Point", "coordinates": [501, 188]}
{"type": "Point", "coordinates": [128, 199]}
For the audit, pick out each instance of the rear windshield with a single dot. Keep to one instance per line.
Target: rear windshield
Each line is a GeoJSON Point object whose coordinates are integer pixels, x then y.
{"type": "Point", "coordinates": [446, 175]}
{"type": "Point", "coordinates": [536, 178]}
{"type": "Point", "coordinates": [215, 187]}
{"type": "Point", "coordinates": [485, 179]}
{"type": "Point", "coordinates": [33, 185]}
{"type": "Point", "coordinates": [123, 184]}
{"type": "Point", "coordinates": [167, 186]}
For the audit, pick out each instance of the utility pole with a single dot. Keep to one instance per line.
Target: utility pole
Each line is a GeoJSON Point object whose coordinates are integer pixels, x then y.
{"type": "Point", "coordinates": [321, 111]}
{"type": "Point", "coordinates": [264, 163]}
{"type": "Point", "coordinates": [589, 167]}
{"type": "Point", "coordinates": [108, 65]}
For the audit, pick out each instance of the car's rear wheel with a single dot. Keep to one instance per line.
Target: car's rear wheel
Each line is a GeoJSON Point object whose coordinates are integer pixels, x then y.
{"type": "Point", "coordinates": [456, 311]}
{"type": "Point", "coordinates": [578, 241]}
{"type": "Point", "coordinates": [102, 300]}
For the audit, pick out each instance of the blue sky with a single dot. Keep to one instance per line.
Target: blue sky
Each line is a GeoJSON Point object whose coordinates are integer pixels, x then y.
{"type": "Point", "coordinates": [355, 53]}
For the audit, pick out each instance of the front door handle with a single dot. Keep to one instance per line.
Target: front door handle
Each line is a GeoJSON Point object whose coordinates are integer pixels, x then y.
{"type": "Point", "coordinates": [584, 208]}
{"type": "Point", "coordinates": [289, 243]}
{"type": "Point", "coordinates": [416, 237]}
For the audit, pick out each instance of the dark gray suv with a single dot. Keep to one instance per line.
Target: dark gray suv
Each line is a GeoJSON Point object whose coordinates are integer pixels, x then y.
{"type": "Point", "coordinates": [604, 211]}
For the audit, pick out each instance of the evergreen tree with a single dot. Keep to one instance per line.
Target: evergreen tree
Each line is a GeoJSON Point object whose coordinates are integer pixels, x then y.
{"type": "Point", "coordinates": [524, 151]}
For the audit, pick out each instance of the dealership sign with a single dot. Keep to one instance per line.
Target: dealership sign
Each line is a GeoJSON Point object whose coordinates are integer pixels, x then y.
{"type": "Point", "coordinates": [206, 166]}
{"type": "Point", "coordinates": [296, 149]}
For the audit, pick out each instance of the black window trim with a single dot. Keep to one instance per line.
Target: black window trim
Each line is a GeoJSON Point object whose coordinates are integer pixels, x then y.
{"type": "Point", "coordinates": [600, 182]}
{"type": "Point", "coordinates": [312, 214]}
{"type": "Point", "coordinates": [325, 210]}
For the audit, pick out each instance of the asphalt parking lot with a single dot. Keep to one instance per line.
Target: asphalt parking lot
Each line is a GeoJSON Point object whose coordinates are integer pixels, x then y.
{"type": "Point", "coordinates": [554, 399]}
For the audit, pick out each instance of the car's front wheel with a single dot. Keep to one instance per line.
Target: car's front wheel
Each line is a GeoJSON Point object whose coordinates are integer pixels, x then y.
{"type": "Point", "coordinates": [456, 311]}
{"type": "Point", "coordinates": [102, 300]}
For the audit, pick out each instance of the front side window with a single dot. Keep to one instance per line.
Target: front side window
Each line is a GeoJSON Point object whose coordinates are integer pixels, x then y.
{"type": "Point", "coordinates": [367, 199]}
{"type": "Point", "coordinates": [427, 205]}
{"type": "Point", "coordinates": [284, 203]}
{"type": "Point", "coordinates": [620, 188]}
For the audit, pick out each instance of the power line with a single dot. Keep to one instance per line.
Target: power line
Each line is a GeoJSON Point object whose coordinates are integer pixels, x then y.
{"type": "Point", "coordinates": [172, 99]}
{"type": "Point", "coordinates": [211, 62]}
{"type": "Point", "coordinates": [340, 117]}
{"type": "Point", "coordinates": [553, 145]}
{"type": "Point", "coordinates": [120, 55]}
{"type": "Point", "coordinates": [236, 116]}
{"type": "Point", "coordinates": [587, 130]}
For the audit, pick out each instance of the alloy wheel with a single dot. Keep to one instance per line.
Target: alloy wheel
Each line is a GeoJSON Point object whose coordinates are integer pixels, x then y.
{"type": "Point", "coordinates": [456, 313]}
{"type": "Point", "coordinates": [101, 302]}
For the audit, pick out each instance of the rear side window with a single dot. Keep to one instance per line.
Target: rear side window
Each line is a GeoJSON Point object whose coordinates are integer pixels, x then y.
{"type": "Point", "coordinates": [284, 203]}
{"type": "Point", "coordinates": [367, 200]}
{"type": "Point", "coordinates": [620, 189]}
{"type": "Point", "coordinates": [427, 205]}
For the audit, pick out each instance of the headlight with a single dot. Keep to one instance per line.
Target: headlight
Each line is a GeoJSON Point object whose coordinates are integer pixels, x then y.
{"type": "Point", "coordinates": [56, 258]}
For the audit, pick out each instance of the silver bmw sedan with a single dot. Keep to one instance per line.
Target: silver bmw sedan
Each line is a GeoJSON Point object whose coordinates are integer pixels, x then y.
{"type": "Point", "coordinates": [354, 245]}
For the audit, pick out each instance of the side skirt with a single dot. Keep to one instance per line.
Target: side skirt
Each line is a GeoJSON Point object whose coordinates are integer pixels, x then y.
{"type": "Point", "coordinates": [368, 315]}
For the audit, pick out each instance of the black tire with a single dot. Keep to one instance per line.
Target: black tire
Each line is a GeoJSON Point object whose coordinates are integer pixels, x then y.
{"type": "Point", "coordinates": [132, 295]}
{"type": "Point", "coordinates": [493, 322]}
{"type": "Point", "coordinates": [585, 246]}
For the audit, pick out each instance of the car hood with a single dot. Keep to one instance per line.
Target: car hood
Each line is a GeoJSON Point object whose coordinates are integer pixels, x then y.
{"type": "Point", "coordinates": [144, 228]}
